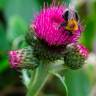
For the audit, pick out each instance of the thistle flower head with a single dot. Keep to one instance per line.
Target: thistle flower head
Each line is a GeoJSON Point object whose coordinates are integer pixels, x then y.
{"type": "Point", "coordinates": [82, 50]}
{"type": "Point", "coordinates": [22, 58]}
{"type": "Point", "coordinates": [14, 58]}
{"type": "Point", "coordinates": [75, 56]}
{"type": "Point", "coordinates": [54, 26]}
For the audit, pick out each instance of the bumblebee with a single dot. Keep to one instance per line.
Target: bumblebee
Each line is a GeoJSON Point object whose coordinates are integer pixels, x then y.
{"type": "Point", "coordinates": [70, 23]}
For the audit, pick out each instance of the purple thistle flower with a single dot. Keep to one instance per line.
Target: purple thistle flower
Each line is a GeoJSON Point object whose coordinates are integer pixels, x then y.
{"type": "Point", "coordinates": [51, 26]}
{"type": "Point", "coordinates": [75, 56]}
{"type": "Point", "coordinates": [14, 58]}
{"type": "Point", "coordinates": [22, 58]}
{"type": "Point", "coordinates": [82, 50]}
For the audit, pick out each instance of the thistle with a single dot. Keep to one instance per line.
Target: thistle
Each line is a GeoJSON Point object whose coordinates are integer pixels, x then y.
{"type": "Point", "coordinates": [22, 58]}
{"type": "Point", "coordinates": [52, 30]}
{"type": "Point", "coordinates": [54, 35]}
{"type": "Point", "coordinates": [75, 56]}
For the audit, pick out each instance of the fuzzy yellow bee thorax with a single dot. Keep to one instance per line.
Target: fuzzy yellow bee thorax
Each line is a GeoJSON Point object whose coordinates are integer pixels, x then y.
{"type": "Point", "coordinates": [72, 25]}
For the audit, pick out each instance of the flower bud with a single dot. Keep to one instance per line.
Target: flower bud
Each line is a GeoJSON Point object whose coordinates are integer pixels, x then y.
{"type": "Point", "coordinates": [22, 58]}
{"type": "Point", "coordinates": [75, 56]}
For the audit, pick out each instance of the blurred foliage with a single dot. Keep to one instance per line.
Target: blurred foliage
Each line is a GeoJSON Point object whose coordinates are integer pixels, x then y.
{"type": "Point", "coordinates": [2, 3]}
{"type": "Point", "coordinates": [88, 19]}
{"type": "Point", "coordinates": [77, 82]}
{"type": "Point", "coordinates": [18, 14]}
{"type": "Point", "coordinates": [17, 27]}
{"type": "Point", "coordinates": [3, 45]}
{"type": "Point", "coordinates": [23, 8]}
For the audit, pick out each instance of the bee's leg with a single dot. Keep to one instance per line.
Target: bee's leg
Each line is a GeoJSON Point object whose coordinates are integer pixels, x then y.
{"type": "Point", "coordinates": [69, 33]}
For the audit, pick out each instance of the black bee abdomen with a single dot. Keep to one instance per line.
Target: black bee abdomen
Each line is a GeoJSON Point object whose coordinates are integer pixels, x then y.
{"type": "Point", "coordinates": [69, 33]}
{"type": "Point", "coordinates": [76, 16]}
{"type": "Point", "coordinates": [65, 15]}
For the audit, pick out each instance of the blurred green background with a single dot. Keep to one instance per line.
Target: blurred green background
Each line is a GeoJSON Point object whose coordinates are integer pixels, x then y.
{"type": "Point", "coordinates": [15, 18]}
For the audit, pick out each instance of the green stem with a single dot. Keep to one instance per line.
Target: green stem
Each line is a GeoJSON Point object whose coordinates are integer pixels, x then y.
{"type": "Point", "coordinates": [62, 79]}
{"type": "Point", "coordinates": [41, 75]}
{"type": "Point", "coordinates": [36, 84]}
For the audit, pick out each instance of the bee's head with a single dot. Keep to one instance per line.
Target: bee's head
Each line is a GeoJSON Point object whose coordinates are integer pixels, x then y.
{"type": "Point", "coordinates": [71, 18]}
